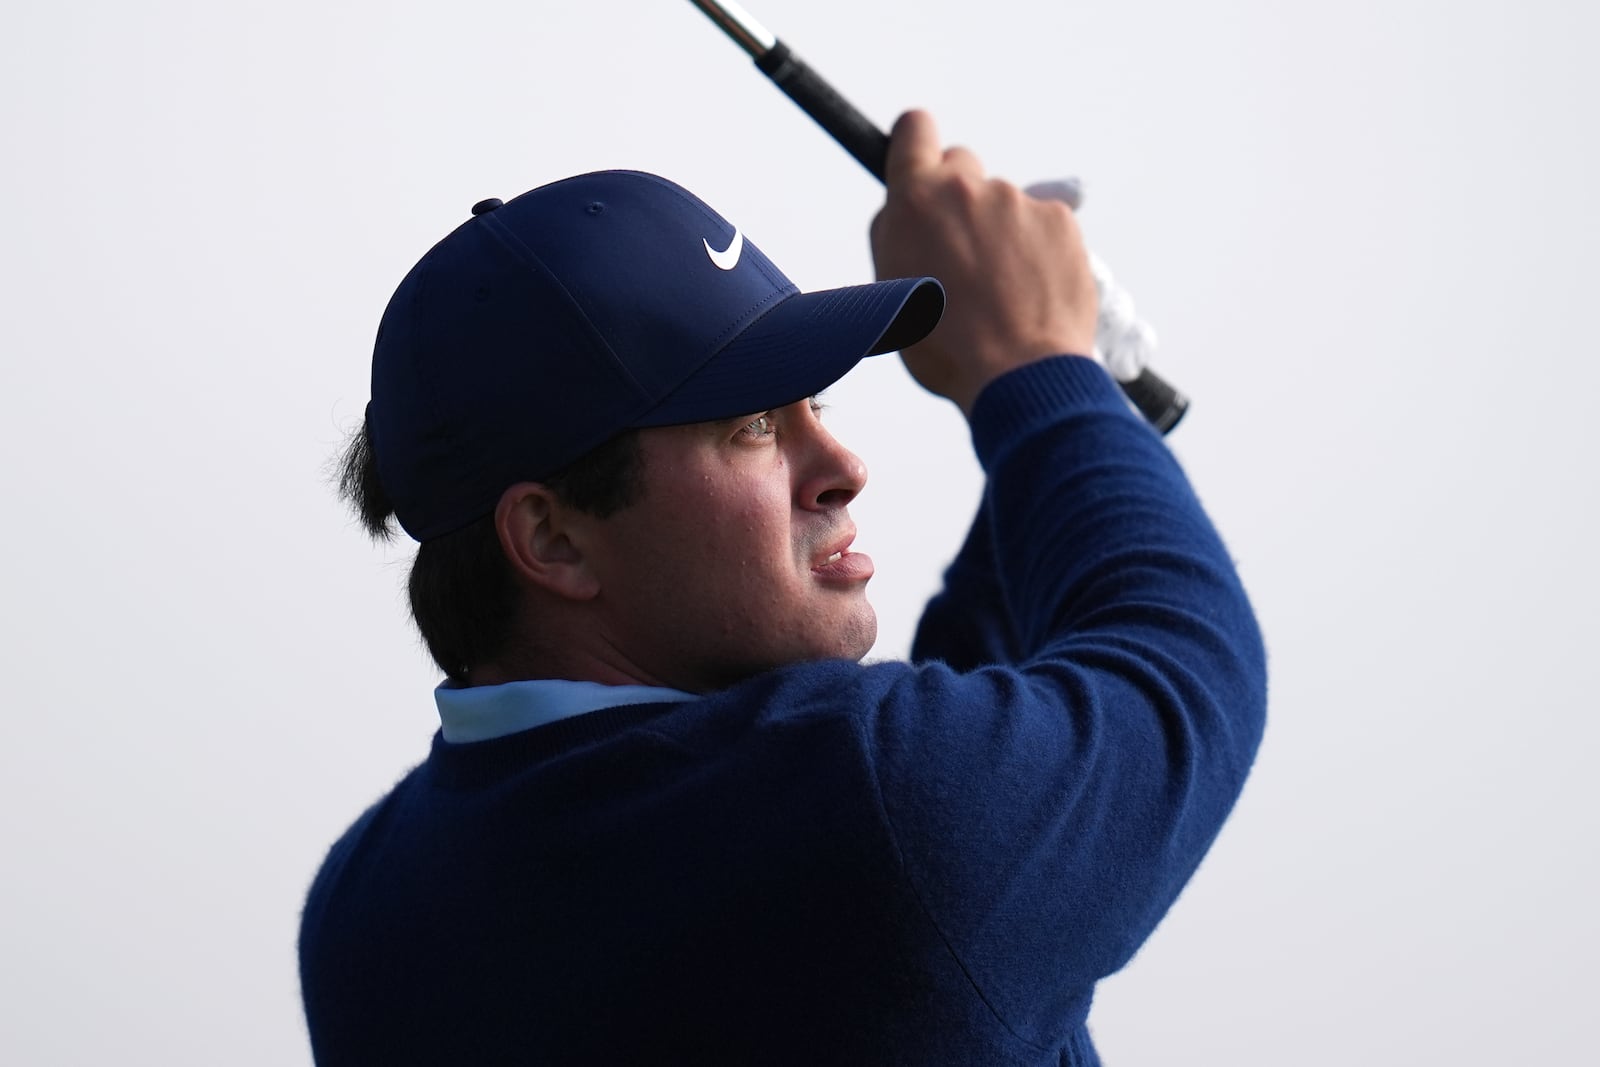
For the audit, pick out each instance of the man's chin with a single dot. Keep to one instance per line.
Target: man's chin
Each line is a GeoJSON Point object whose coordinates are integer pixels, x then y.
{"type": "Point", "coordinates": [860, 632]}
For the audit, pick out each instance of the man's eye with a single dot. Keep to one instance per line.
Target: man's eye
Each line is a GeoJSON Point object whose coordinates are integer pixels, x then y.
{"type": "Point", "coordinates": [760, 426]}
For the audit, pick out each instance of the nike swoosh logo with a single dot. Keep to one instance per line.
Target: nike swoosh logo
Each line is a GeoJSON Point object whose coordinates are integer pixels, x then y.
{"type": "Point", "coordinates": [728, 258]}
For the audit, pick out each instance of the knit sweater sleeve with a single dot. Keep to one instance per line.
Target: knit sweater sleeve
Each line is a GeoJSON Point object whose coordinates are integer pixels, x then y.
{"type": "Point", "coordinates": [1054, 783]}
{"type": "Point", "coordinates": [966, 624]}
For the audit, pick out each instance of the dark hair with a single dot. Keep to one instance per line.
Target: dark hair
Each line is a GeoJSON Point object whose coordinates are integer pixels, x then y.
{"type": "Point", "coordinates": [463, 598]}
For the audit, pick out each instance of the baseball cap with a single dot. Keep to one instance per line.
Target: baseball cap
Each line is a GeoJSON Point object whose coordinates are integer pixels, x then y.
{"type": "Point", "coordinates": [544, 326]}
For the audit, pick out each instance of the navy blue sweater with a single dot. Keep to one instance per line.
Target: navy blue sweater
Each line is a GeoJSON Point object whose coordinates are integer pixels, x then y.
{"type": "Point", "coordinates": [927, 863]}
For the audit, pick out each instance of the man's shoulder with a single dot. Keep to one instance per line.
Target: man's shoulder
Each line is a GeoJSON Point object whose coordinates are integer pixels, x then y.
{"type": "Point", "coordinates": [831, 690]}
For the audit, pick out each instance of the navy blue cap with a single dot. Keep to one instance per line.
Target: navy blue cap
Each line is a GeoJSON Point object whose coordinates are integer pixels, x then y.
{"type": "Point", "coordinates": [543, 327]}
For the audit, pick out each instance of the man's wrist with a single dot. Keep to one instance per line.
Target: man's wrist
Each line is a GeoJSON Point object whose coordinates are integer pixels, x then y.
{"type": "Point", "coordinates": [1014, 405]}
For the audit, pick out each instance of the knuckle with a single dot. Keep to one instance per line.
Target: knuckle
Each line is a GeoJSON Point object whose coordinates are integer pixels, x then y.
{"type": "Point", "coordinates": [1006, 193]}
{"type": "Point", "coordinates": [1060, 211]}
{"type": "Point", "coordinates": [923, 196]}
{"type": "Point", "coordinates": [1059, 217]}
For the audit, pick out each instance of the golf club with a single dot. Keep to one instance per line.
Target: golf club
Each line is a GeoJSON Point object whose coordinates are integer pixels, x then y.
{"type": "Point", "coordinates": [1124, 341]}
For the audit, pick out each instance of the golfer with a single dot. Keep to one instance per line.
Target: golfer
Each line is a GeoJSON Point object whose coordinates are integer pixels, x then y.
{"type": "Point", "coordinates": [669, 817]}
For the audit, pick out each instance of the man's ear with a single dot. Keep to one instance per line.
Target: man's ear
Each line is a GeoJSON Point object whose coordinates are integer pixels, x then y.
{"type": "Point", "coordinates": [536, 536]}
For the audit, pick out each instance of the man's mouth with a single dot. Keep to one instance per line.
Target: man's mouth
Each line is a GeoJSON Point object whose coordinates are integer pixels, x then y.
{"type": "Point", "coordinates": [843, 565]}
{"type": "Point", "coordinates": [838, 550]}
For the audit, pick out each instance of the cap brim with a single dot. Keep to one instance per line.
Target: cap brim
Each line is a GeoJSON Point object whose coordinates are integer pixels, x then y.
{"type": "Point", "coordinates": [801, 346]}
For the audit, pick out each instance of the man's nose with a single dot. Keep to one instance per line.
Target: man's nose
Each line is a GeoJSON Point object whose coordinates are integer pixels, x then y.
{"type": "Point", "coordinates": [833, 475]}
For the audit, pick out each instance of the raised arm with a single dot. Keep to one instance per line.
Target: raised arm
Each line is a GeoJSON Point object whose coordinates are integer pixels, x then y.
{"type": "Point", "coordinates": [1053, 793]}
{"type": "Point", "coordinates": [1020, 289]}
{"type": "Point", "coordinates": [967, 623]}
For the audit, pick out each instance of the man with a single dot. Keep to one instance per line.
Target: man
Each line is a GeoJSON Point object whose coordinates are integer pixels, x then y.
{"type": "Point", "coordinates": [669, 817]}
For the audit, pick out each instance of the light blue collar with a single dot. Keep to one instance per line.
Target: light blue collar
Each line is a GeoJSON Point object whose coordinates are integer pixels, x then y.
{"type": "Point", "coordinates": [485, 712]}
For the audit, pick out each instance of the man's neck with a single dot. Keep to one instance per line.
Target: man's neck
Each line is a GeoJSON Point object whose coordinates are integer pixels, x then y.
{"type": "Point", "coordinates": [566, 668]}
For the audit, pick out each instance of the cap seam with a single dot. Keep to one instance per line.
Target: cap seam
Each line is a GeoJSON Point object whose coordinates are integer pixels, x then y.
{"type": "Point", "coordinates": [516, 247]}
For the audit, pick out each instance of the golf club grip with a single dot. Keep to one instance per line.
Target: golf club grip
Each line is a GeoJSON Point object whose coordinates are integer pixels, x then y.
{"type": "Point", "coordinates": [853, 130]}
{"type": "Point", "coordinates": [1161, 405]}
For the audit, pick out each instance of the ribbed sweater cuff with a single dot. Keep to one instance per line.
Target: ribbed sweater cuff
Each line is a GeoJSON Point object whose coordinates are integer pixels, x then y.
{"type": "Point", "coordinates": [1021, 402]}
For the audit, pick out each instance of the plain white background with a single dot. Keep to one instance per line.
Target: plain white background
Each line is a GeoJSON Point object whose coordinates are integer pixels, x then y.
{"type": "Point", "coordinates": [1365, 230]}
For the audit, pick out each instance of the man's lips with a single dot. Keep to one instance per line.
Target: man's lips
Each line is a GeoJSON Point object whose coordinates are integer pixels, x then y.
{"type": "Point", "coordinates": [842, 565]}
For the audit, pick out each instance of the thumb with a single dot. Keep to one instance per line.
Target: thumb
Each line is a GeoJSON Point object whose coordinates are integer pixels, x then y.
{"type": "Point", "coordinates": [913, 147]}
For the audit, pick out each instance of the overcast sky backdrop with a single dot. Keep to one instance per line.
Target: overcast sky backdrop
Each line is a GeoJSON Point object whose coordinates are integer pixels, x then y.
{"type": "Point", "coordinates": [1366, 232]}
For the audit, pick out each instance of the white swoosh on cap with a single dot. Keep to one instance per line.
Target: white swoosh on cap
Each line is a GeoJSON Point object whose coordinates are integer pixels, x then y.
{"type": "Point", "coordinates": [728, 258]}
